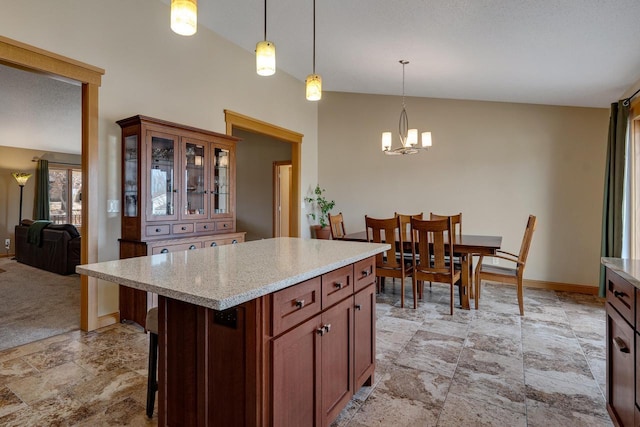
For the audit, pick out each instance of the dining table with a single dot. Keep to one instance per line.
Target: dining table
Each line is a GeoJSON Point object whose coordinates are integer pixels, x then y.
{"type": "Point", "coordinates": [465, 246]}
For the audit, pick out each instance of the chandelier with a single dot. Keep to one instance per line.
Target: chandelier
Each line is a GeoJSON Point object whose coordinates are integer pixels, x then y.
{"type": "Point", "coordinates": [408, 137]}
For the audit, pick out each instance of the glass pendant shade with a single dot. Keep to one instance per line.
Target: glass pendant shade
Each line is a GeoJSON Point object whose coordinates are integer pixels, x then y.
{"type": "Point", "coordinates": [184, 17]}
{"type": "Point", "coordinates": [314, 87]}
{"type": "Point", "coordinates": [412, 137]}
{"type": "Point", "coordinates": [386, 141]}
{"type": "Point", "coordinates": [21, 177]}
{"type": "Point", "coordinates": [265, 58]}
{"type": "Point", "coordinates": [426, 139]}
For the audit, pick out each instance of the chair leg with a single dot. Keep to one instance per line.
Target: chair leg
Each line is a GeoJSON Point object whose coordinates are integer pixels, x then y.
{"type": "Point", "coordinates": [152, 381]}
{"type": "Point", "coordinates": [401, 292]}
{"type": "Point", "coordinates": [520, 297]}
{"type": "Point", "coordinates": [414, 283]}
{"type": "Point", "coordinates": [451, 298]}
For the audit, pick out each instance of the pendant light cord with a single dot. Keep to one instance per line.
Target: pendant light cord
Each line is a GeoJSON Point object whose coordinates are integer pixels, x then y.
{"type": "Point", "coordinates": [265, 19]}
{"type": "Point", "coordinates": [314, 36]}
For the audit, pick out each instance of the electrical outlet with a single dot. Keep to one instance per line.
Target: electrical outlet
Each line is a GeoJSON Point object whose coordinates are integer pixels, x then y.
{"type": "Point", "coordinates": [7, 243]}
{"type": "Point", "coordinates": [495, 261]}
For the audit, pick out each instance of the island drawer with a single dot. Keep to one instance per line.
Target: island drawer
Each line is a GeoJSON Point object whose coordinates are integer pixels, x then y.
{"type": "Point", "coordinates": [337, 285]}
{"type": "Point", "coordinates": [621, 295]}
{"type": "Point", "coordinates": [364, 273]}
{"type": "Point", "coordinates": [295, 304]}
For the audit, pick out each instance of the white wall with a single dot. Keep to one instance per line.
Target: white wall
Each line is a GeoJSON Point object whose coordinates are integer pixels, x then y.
{"type": "Point", "coordinates": [152, 71]}
{"type": "Point", "coordinates": [494, 162]}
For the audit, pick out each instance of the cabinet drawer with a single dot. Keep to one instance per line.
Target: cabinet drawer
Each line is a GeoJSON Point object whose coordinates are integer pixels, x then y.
{"type": "Point", "coordinates": [224, 225]}
{"type": "Point", "coordinates": [337, 285]}
{"type": "Point", "coordinates": [183, 228]}
{"type": "Point", "coordinates": [158, 230]}
{"type": "Point", "coordinates": [223, 240]}
{"type": "Point", "coordinates": [364, 273]}
{"type": "Point", "coordinates": [175, 248]}
{"type": "Point", "coordinates": [295, 304]}
{"type": "Point", "coordinates": [205, 226]}
{"type": "Point", "coordinates": [620, 366]}
{"type": "Point", "coordinates": [621, 294]}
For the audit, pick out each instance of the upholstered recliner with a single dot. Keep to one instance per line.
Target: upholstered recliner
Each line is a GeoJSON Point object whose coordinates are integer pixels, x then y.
{"type": "Point", "coordinates": [58, 249]}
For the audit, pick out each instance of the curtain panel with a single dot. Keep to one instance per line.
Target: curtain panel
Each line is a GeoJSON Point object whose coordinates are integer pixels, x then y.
{"type": "Point", "coordinates": [612, 209]}
{"type": "Point", "coordinates": [41, 205]}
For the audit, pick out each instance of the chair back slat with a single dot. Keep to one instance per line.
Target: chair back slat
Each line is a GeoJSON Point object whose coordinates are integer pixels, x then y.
{"type": "Point", "coordinates": [456, 222]}
{"type": "Point", "coordinates": [336, 225]}
{"type": "Point", "coordinates": [405, 224]}
{"type": "Point", "coordinates": [526, 240]}
{"type": "Point", "coordinates": [434, 241]}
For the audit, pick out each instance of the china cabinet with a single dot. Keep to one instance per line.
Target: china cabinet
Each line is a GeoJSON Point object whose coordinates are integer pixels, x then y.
{"type": "Point", "coordinates": [178, 192]}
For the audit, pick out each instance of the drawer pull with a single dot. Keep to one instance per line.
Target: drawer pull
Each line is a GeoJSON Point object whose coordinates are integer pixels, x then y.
{"type": "Point", "coordinates": [164, 251]}
{"type": "Point", "coordinates": [358, 307]}
{"type": "Point", "coordinates": [158, 230]}
{"type": "Point", "coordinates": [192, 247]}
{"type": "Point", "coordinates": [365, 273]}
{"type": "Point", "coordinates": [619, 294]}
{"type": "Point", "coordinates": [234, 241]}
{"type": "Point", "coordinates": [338, 285]}
{"type": "Point", "coordinates": [205, 227]}
{"type": "Point", "coordinates": [213, 244]}
{"type": "Point", "coordinates": [300, 303]}
{"type": "Point", "coordinates": [620, 344]}
{"type": "Point", "coordinates": [224, 225]}
{"type": "Point", "coordinates": [183, 228]}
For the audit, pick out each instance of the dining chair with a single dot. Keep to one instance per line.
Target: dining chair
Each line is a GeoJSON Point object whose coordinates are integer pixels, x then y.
{"type": "Point", "coordinates": [405, 224]}
{"type": "Point", "coordinates": [508, 275]}
{"type": "Point", "coordinates": [432, 243]}
{"type": "Point", "coordinates": [336, 225]}
{"type": "Point", "coordinates": [388, 264]}
{"type": "Point", "coordinates": [456, 223]}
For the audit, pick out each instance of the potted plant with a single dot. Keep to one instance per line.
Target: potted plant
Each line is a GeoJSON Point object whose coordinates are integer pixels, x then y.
{"type": "Point", "coordinates": [319, 214]}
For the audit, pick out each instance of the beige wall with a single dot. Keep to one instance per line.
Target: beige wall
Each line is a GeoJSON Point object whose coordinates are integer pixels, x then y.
{"type": "Point", "coordinates": [255, 155]}
{"type": "Point", "coordinates": [19, 160]}
{"type": "Point", "coordinates": [152, 71]}
{"type": "Point", "coordinates": [495, 162]}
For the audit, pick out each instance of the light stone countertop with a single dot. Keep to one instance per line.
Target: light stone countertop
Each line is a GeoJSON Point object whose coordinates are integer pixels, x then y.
{"type": "Point", "coordinates": [225, 276]}
{"type": "Point", "coordinates": [627, 268]}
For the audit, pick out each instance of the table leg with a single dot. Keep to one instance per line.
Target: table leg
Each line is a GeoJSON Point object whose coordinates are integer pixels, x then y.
{"type": "Point", "coordinates": [466, 280]}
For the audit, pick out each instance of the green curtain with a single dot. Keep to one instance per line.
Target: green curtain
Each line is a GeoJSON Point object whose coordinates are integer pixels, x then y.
{"type": "Point", "coordinates": [41, 206]}
{"type": "Point", "coordinates": [614, 186]}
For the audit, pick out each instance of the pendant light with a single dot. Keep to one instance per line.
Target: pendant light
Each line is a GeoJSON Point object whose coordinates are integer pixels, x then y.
{"type": "Point", "coordinates": [408, 137]}
{"type": "Point", "coordinates": [314, 81]}
{"type": "Point", "coordinates": [184, 17]}
{"type": "Point", "coordinates": [265, 52]}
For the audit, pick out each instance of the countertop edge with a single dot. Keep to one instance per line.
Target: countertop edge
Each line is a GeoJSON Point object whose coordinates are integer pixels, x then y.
{"type": "Point", "coordinates": [623, 267]}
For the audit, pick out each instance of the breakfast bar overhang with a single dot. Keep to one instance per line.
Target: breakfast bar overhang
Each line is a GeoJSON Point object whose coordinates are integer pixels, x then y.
{"type": "Point", "coordinates": [266, 333]}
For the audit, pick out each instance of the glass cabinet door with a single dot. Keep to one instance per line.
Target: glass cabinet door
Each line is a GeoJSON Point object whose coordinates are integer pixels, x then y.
{"type": "Point", "coordinates": [162, 191]}
{"type": "Point", "coordinates": [130, 176]}
{"type": "Point", "coordinates": [195, 182]}
{"type": "Point", "coordinates": [220, 201]}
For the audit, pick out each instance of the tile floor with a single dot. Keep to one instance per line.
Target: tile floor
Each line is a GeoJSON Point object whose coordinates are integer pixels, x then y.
{"type": "Point", "coordinates": [477, 368]}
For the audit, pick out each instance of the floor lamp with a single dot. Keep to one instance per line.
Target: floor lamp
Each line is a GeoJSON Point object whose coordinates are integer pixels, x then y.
{"type": "Point", "coordinates": [22, 179]}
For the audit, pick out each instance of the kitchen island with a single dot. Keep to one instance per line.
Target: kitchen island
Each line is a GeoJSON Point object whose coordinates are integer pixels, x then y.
{"type": "Point", "coordinates": [275, 332]}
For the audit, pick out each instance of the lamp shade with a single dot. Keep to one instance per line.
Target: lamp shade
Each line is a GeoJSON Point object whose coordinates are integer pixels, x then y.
{"type": "Point", "coordinates": [314, 87]}
{"type": "Point", "coordinates": [386, 141]}
{"type": "Point", "coordinates": [184, 17]}
{"type": "Point", "coordinates": [21, 177]}
{"type": "Point", "coordinates": [265, 58]}
{"type": "Point", "coordinates": [412, 137]}
{"type": "Point", "coordinates": [426, 139]}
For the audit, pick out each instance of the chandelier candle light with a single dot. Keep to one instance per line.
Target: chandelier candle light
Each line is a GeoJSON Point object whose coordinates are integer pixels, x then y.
{"type": "Point", "coordinates": [184, 17]}
{"type": "Point", "coordinates": [408, 137]}
{"type": "Point", "coordinates": [265, 52]}
{"type": "Point", "coordinates": [314, 81]}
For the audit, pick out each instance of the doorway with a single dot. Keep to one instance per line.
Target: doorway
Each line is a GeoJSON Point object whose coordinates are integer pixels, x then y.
{"type": "Point", "coordinates": [281, 198]}
{"type": "Point", "coordinates": [21, 55]}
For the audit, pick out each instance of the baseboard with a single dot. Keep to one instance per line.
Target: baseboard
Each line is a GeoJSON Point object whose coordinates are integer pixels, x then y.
{"type": "Point", "coordinates": [6, 255]}
{"type": "Point", "coordinates": [563, 287]}
{"type": "Point", "coordinates": [108, 319]}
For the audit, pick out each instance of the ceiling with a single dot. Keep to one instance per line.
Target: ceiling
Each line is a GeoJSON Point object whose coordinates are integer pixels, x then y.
{"type": "Point", "coordinates": [559, 52]}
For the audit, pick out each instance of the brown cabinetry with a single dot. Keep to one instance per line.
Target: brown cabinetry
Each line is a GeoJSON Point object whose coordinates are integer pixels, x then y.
{"type": "Point", "coordinates": [178, 193]}
{"type": "Point", "coordinates": [285, 359]}
{"type": "Point", "coordinates": [622, 340]}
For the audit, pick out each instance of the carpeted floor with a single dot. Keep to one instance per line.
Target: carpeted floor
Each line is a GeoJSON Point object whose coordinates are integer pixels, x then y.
{"type": "Point", "coordinates": [35, 304]}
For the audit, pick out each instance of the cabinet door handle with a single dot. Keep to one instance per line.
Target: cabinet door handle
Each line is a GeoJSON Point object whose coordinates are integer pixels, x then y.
{"type": "Point", "coordinates": [622, 347]}
{"type": "Point", "coordinates": [619, 294]}
{"type": "Point", "coordinates": [320, 331]}
{"type": "Point", "coordinates": [164, 251]}
{"type": "Point", "coordinates": [327, 328]}
{"type": "Point", "coordinates": [300, 303]}
{"type": "Point", "coordinates": [338, 285]}
{"type": "Point", "coordinates": [358, 307]}
{"type": "Point", "coordinates": [234, 241]}
{"type": "Point", "coordinates": [365, 273]}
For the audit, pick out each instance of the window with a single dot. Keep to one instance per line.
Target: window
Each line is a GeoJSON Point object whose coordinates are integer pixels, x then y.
{"type": "Point", "coordinates": [65, 195]}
